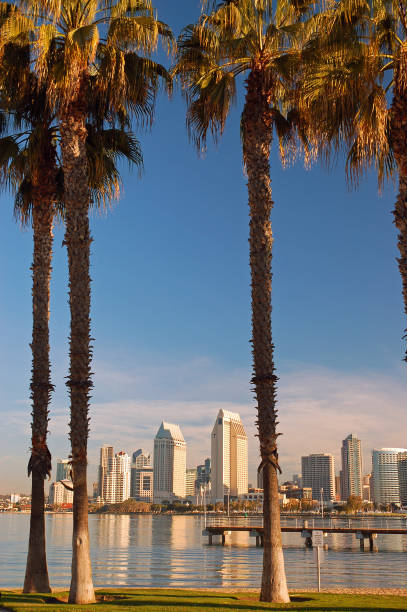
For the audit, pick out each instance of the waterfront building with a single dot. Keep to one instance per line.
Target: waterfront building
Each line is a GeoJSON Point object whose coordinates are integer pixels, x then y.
{"type": "Point", "coordinates": [385, 475]}
{"type": "Point", "coordinates": [117, 479]}
{"type": "Point", "coordinates": [58, 494]}
{"type": "Point", "coordinates": [367, 487]}
{"type": "Point", "coordinates": [190, 482]}
{"type": "Point", "coordinates": [229, 471]}
{"type": "Point", "coordinates": [63, 470]}
{"type": "Point", "coordinates": [141, 458]}
{"type": "Point", "coordinates": [106, 458]}
{"type": "Point", "coordinates": [141, 486]}
{"type": "Point", "coordinates": [170, 452]}
{"type": "Point", "coordinates": [351, 473]}
{"type": "Point", "coordinates": [318, 472]}
{"type": "Point", "coordinates": [338, 486]}
{"type": "Point", "coordinates": [402, 475]}
{"type": "Point", "coordinates": [203, 474]}
{"type": "Point", "coordinates": [95, 490]}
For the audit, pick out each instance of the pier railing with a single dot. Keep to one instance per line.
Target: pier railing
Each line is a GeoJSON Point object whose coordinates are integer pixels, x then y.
{"type": "Point", "coordinates": [216, 520]}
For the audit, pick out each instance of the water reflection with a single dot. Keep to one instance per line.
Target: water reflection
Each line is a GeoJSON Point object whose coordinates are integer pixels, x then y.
{"type": "Point", "coordinates": [151, 550]}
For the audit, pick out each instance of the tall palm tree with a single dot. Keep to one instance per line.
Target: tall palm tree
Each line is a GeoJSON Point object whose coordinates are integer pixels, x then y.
{"type": "Point", "coordinates": [29, 166]}
{"type": "Point", "coordinates": [355, 91]}
{"type": "Point", "coordinates": [261, 39]}
{"type": "Point", "coordinates": [83, 47]}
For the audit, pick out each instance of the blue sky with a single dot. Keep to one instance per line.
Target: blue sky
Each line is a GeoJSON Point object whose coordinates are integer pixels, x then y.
{"type": "Point", "coordinates": [171, 305]}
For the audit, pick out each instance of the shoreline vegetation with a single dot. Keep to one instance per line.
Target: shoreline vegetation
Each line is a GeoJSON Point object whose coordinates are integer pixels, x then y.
{"type": "Point", "coordinates": [208, 600]}
{"type": "Point", "coordinates": [133, 507]}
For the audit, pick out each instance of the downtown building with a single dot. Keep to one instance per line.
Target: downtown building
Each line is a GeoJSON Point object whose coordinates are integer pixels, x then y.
{"type": "Point", "coordinates": [402, 474]}
{"type": "Point", "coordinates": [113, 475]}
{"type": "Point", "coordinates": [385, 475]}
{"type": "Point", "coordinates": [63, 470]}
{"type": "Point", "coordinates": [170, 453]}
{"type": "Point", "coordinates": [318, 473]}
{"type": "Point", "coordinates": [106, 458]}
{"type": "Point", "coordinates": [351, 473]}
{"type": "Point", "coordinates": [142, 476]}
{"type": "Point", "coordinates": [60, 494]}
{"type": "Point", "coordinates": [229, 470]}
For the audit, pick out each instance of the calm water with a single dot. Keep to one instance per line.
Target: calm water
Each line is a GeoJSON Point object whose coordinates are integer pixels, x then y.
{"type": "Point", "coordinates": [170, 551]}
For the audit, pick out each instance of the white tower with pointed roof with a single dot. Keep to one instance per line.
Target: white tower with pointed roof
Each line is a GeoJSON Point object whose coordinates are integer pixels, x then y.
{"type": "Point", "coordinates": [229, 456]}
{"type": "Point", "coordinates": [170, 452]}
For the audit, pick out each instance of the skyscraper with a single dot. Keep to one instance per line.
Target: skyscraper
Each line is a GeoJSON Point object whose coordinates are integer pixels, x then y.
{"type": "Point", "coordinates": [351, 474]}
{"type": "Point", "coordinates": [170, 452]}
{"type": "Point", "coordinates": [203, 474]}
{"type": "Point", "coordinates": [402, 474]}
{"type": "Point", "coordinates": [141, 486]}
{"type": "Point", "coordinates": [63, 470]}
{"type": "Point", "coordinates": [106, 457]}
{"type": "Point", "coordinates": [318, 472]}
{"type": "Point", "coordinates": [228, 456]}
{"type": "Point", "coordinates": [117, 479]}
{"type": "Point", "coordinates": [385, 475]}
{"type": "Point", "coordinates": [141, 458]}
{"type": "Point", "coordinates": [190, 481]}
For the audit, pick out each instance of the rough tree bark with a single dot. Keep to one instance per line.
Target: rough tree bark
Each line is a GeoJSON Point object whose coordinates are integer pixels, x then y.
{"type": "Point", "coordinates": [36, 575]}
{"type": "Point", "coordinates": [78, 240]}
{"type": "Point", "coordinates": [399, 143]}
{"type": "Point", "coordinates": [257, 136]}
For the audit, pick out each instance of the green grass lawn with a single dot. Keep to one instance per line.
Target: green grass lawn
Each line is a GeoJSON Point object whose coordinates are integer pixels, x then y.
{"type": "Point", "coordinates": [200, 601]}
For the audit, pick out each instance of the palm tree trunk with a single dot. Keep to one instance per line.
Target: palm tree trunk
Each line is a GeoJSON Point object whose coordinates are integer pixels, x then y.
{"type": "Point", "coordinates": [399, 143]}
{"type": "Point", "coordinates": [36, 575]}
{"type": "Point", "coordinates": [257, 136]}
{"type": "Point", "coordinates": [78, 240]}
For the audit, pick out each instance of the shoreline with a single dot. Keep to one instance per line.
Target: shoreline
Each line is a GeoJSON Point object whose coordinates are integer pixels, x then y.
{"type": "Point", "coordinates": [336, 590]}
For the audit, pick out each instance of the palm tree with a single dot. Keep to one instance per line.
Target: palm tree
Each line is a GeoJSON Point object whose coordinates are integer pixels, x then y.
{"type": "Point", "coordinates": [75, 62]}
{"type": "Point", "coordinates": [355, 91]}
{"type": "Point", "coordinates": [262, 40]}
{"type": "Point", "coordinates": [28, 164]}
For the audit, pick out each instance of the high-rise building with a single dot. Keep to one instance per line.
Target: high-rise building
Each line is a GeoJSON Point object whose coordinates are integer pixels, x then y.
{"type": "Point", "coordinates": [141, 487]}
{"type": "Point", "coordinates": [95, 490]}
{"type": "Point", "coordinates": [58, 494]}
{"type": "Point", "coordinates": [351, 474]}
{"type": "Point", "coordinates": [63, 470]}
{"type": "Point", "coordinates": [118, 479]}
{"type": "Point", "coordinates": [402, 474]}
{"type": "Point", "coordinates": [141, 458]}
{"type": "Point", "coordinates": [203, 474]}
{"type": "Point", "coordinates": [106, 457]}
{"type": "Point", "coordinates": [318, 472]}
{"type": "Point", "coordinates": [366, 487]}
{"type": "Point", "coordinates": [170, 452]}
{"type": "Point", "coordinates": [385, 476]}
{"type": "Point", "coordinates": [190, 481]}
{"type": "Point", "coordinates": [338, 486]}
{"type": "Point", "coordinates": [228, 457]}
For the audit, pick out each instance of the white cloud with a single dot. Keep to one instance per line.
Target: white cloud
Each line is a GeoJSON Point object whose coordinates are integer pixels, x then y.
{"type": "Point", "coordinates": [318, 407]}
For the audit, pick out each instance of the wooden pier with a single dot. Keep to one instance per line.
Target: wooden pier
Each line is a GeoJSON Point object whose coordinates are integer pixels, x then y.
{"type": "Point", "coordinates": [361, 533]}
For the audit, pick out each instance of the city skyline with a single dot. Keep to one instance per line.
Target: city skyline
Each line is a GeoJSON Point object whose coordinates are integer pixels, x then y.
{"type": "Point", "coordinates": [199, 448]}
{"type": "Point", "coordinates": [313, 470]}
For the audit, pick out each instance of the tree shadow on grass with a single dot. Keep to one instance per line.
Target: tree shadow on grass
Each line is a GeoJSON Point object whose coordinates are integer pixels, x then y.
{"type": "Point", "coordinates": [165, 594]}
{"type": "Point", "coordinates": [233, 605]}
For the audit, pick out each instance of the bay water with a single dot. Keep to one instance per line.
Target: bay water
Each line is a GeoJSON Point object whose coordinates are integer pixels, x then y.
{"type": "Point", "coordinates": [170, 551]}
